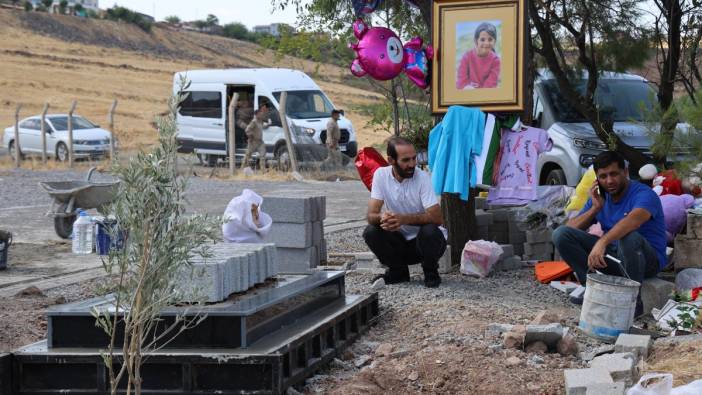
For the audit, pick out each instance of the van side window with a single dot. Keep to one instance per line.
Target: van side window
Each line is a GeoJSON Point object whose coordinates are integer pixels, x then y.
{"type": "Point", "coordinates": [202, 105]}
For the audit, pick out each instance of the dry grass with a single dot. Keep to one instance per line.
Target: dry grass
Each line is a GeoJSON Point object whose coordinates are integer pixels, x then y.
{"type": "Point", "coordinates": [38, 68]}
{"type": "Point", "coordinates": [682, 360]}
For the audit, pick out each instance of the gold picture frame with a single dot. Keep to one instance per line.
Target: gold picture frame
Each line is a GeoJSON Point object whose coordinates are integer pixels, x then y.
{"type": "Point", "coordinates": [480, 54]}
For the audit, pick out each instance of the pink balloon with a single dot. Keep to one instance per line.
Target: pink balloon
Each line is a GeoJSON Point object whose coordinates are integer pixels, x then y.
{"type": "Point", "coordinates": [381, 55]}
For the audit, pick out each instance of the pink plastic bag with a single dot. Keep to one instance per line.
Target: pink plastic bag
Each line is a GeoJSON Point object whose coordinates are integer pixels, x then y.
{"type": "Point", "coordinates": [478, 257]}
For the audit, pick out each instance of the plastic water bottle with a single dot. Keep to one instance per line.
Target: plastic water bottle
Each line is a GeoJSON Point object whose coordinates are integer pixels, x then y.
{"type": "Point", "coordinates": [83, 234]}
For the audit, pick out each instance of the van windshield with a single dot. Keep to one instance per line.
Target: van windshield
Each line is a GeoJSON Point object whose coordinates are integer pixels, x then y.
{"type": "Point", "coordinates": [306, 104]}
{"type": "Point", "coordinates": [61, 123]}
{"type": "Point", "coordinates": [627, 99]}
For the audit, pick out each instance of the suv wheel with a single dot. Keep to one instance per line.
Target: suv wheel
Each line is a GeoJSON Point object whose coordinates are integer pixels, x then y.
{"type": "Point", "coordinates": [556, 177]}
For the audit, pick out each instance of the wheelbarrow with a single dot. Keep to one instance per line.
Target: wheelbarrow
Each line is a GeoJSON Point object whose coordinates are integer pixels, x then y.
{"type": "Point", "coordinates": [71, 196]}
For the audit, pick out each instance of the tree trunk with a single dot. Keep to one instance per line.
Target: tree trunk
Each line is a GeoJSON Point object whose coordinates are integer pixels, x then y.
{"type": "Point", "coordinates": [459, 220]}
{"type": "Point", "coordinates": [395, 108]}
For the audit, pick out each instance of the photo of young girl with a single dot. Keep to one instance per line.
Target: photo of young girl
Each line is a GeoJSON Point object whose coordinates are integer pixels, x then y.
{"type": "Point", "coordinates": [477, 55]}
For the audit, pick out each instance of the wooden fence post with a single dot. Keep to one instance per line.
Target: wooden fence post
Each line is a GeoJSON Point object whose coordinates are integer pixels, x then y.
{"type": "Point", "coordinates": [231, 147]}
{"type": "Point", "coordinates": [43, 132]}
{"type": "Point", "coordinates": [111, 120]}
{"type": "Point", "coordinates": [17, 140]}
{"type": "Point", "coordinates": [70, 133]}
{"type": "Point", "coordinates": [286, 130]}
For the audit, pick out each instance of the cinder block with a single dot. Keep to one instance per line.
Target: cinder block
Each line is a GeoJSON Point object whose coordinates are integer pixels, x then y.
{"type": "Point", "coordinates": [290, 235]}
{"type": "Point", "coordinates": [296, 210]}
{"type": "Point", "coordinates": [539, 236]}
{"type": "Point", "coordinates": [538, 249]}
{"type": "Point", "coordinates": [694, 226]}
{"type": "Point", "coordinates": [687, 253]}
{"type": "Point", "coordinates": [606, 389]}
{"type": "Point", "coordinates": [297, 260]}
{"type": "Point", "coordinates": [507, 251]}
{"type": "Point", "coordinates": [639, 345]}
{"type": "Point", "coordinates": [518, 248]}
{"type": "Point", "coordinates": [445, 261]}
{"type": "Point", "coordinates": [577, 380]}
{"type": "Point", "coordinates": [510, 263]}
{"type": "Point", "coordinates": [655, 293]}
{"type": "Point", "coordinates": [621, 366]}
{"type": "Point", "coordinates": [500, 215]}
{"type": "Point", "coordinates": [516, 237]}
{"type": "Point", "coordinates": [483, 218]}
{"type": "Point", "coordinates": [480, 203]}
{"type": "Point", "coordinates": [498, 237]}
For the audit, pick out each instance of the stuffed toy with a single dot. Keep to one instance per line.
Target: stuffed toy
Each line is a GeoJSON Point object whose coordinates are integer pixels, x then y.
{"type": "Point", "coordinates": [675, 213]}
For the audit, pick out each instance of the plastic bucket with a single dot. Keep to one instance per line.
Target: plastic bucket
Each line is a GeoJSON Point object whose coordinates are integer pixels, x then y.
{"type": "Point", "coordinates": [608, 307]}
{"type": "Point", "coordinates": [5, 241]}
{"type": "Point", "coordinates": [103, 237]}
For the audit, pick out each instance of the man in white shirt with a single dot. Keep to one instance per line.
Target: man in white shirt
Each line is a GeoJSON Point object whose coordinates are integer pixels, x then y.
{"type": "Point", "coordinates": [409, 230]}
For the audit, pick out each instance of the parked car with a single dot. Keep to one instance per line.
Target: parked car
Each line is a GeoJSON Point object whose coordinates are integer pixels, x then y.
{"type": "Point", "coordinates": [575, 143]}
{"type": "Point", "coordinates": [89, 140]}
{"type": "Point", "coordinates": [202, 119]}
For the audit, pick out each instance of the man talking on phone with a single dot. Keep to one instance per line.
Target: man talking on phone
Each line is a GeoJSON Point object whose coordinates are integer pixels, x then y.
{"type": "Point", "coordinates": [631, 217]}
{"type": "Point", "coordinates": [408, 230]}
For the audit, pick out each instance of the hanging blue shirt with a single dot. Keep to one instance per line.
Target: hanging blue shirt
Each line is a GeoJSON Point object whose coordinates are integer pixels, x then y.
{"type": "Point", "coordinates": [453, 144]}
{"type": "Point", "coordinates": [637, 195]}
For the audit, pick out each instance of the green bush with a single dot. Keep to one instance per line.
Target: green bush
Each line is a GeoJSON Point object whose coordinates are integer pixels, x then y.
{"type": "Point", "coordinates": [126, 15]}
{"type": "Point", "coordinates": [28, 6]}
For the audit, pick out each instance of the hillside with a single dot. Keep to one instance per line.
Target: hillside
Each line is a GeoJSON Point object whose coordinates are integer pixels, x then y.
{"type": "Point", "coordinates": [61, 58]}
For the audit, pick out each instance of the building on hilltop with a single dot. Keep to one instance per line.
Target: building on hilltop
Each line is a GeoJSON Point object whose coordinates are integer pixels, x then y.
{"type": "Point", "coordinates": [85, 7]}
{"type": "Point", "coordinates": [274, 29]}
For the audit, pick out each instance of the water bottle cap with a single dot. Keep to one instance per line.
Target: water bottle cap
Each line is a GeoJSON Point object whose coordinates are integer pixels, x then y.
{"type": "Point", "coordinates": [82, 213]}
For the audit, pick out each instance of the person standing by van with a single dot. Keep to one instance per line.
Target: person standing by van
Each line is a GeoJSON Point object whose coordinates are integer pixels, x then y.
{"type": "Point", "coordinates": [254, 137]}
{"type": "Point", "coordinates": [333, 137]}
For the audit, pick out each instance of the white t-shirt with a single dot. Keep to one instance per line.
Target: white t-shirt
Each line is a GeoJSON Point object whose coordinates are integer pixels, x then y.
{"type": "Point", "coordinates": [411, 196]}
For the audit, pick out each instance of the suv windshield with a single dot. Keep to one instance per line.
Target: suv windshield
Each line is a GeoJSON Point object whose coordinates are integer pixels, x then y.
{"type": "Point", "coordinates": [627, 99]}
{"type": "Point", "coordinates": [306, 104]}
{"type": "Point", "coordinates": [61, 123]}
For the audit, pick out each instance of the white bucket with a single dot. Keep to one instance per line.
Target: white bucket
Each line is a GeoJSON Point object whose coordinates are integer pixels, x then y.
{"type": "Point", "coordinates": [608, 307]}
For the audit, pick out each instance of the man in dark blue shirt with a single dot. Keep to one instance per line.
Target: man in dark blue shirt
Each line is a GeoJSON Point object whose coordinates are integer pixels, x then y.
{"type": "Point", "coordinates": [631, 217]}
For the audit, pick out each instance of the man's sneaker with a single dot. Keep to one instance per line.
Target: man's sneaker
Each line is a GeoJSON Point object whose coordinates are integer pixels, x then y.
{"type": "Point", "coordinates": [393, 277]}
{"type": "Point", "coordinates": [577, 296]}
{"type": "Point", "coordinates": [432, 279]}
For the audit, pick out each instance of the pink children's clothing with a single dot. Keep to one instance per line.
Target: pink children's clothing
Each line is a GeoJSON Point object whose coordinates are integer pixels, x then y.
{"type": "Point", "coordinates": [517, 179]}
{"type": "Point", "coordinates": [481, 72]}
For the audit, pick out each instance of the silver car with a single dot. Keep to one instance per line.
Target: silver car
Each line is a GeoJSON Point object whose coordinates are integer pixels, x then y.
{"type": "Point", "coordinates": [575, 143]}
{"type": "Point", "coordinates": [89, 140]}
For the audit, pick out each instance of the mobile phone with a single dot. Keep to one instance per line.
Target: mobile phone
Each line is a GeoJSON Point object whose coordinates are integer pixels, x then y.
{"type": "Point", "coordinates": [600, 190]}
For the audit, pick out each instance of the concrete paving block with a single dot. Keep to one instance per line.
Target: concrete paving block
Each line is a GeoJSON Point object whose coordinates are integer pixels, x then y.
{"type": "Point", "coordinates": [655, 293]}
{"type": "Point", "coordinates": [207, 283]}
{"type": "Point", "coordinates": [288, 209]}
{"type": "Point", "coordinates": [621, 366]}
{"type": "Point", "coordinates": [538, 249]}
{"type": "Point", "coordinates": [445, 261]}
{"type": "Point", "coordinates": [639, 345]}
{"type": "Point", "coordinates": [606, 389]}
{"type": "Point", "coordinates": [577, 380]}
{"type": "Point", "coordinates": [297, 260]}
{"type": "Point", "coordinates": [549, 334]}
{"type": "Point", "coordinates": [686, 253]}
{"type": "Point", "coordinates": [539, 236]}
{"type": "Point", "coordinates": [290, 235]}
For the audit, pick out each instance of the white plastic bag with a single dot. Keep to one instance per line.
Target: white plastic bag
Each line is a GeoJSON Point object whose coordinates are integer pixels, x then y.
{"type": "Point", "coordinates": [693, 388]}
{"type": "Point", "coordinates": [239, 225]}
{"type": "Point", "coordinates": [653, 384]}
{"type": "Point", "coordinates": [479, 256]}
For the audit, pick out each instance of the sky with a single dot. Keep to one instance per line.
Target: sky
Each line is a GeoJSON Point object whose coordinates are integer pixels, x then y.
{"type": "Point", "coordinates": [248, 12]}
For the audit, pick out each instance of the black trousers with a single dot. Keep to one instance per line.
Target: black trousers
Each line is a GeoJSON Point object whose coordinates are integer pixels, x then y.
{"type": "Point", "coordinates": [397, 254]}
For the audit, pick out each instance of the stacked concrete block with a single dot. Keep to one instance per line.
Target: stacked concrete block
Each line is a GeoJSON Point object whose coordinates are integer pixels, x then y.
{"type": "Point", "coordinates": [227, 268]}
{"type": "Point", "coordinates": [507, 261]}
{"type": "Point", "coordinates": [538, 245]}
{"type": "Point", "coordinates": [688, 247]}
{"type": "Point", "coordinates": [483, 222]}
{"type": "Point", "coordinates": [297, 231]}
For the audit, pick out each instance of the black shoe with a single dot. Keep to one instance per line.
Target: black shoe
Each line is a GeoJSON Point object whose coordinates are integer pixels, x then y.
{"type": "Point", "coordinates": [432, 279]}
{"type": "Point", "coordinates": [393, 277]}
{"type": "Point", "coordinates": [639, 311]}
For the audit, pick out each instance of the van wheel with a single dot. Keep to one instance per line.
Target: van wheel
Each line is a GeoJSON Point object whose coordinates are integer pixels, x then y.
{"type": "Point", "coordinates": [556, 177]}
{"type": "Point", "coordinates": [282, 157]}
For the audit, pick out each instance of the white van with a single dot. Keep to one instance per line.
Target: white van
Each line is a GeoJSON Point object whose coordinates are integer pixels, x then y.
{"type": "Point", "coordinates": [202, 117]}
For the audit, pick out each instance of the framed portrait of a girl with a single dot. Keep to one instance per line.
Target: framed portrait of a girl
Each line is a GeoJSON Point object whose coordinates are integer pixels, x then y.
{"type": "Point", "coordinates": [480, 47]}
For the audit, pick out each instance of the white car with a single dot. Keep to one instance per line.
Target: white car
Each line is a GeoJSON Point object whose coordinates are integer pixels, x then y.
{"type": "Point", "coordinates": [89, 140]}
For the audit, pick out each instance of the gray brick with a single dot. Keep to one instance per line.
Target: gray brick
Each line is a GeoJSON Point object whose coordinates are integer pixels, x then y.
{"type": "Point", "coordinates": [577, 380]}
{"type": "Point", "coordinates": [621, 366]}
{"type": "Point", "coordinates": [538, 249]}
{"type": "Point", "coordinates": [289, 209]}
{"type": "Point", "coordinates": [483, 218]}
{"type": "Point", "coordinates": [507, 251]}
{"type": "Point", "coordinates": [639, 345]}
{"type": "Point", "coordinates": [539, 236]}
{"type": "Point", "coordinates": [500, 215]}
{"type": "Point", "coordinates": [655, 293]}
{"type": "Point", "coordinates": [508, 263]}
{"type": "Point", "coordinates": [297, 260]}
{"type": "Point", "coordinates": [694, 226]}
{"type": "Point", "coordinates": [290, 235]}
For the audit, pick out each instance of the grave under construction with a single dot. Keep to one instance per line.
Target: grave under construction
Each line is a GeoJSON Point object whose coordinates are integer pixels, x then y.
{"type": "Point", "coordinates": [260, 342]}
